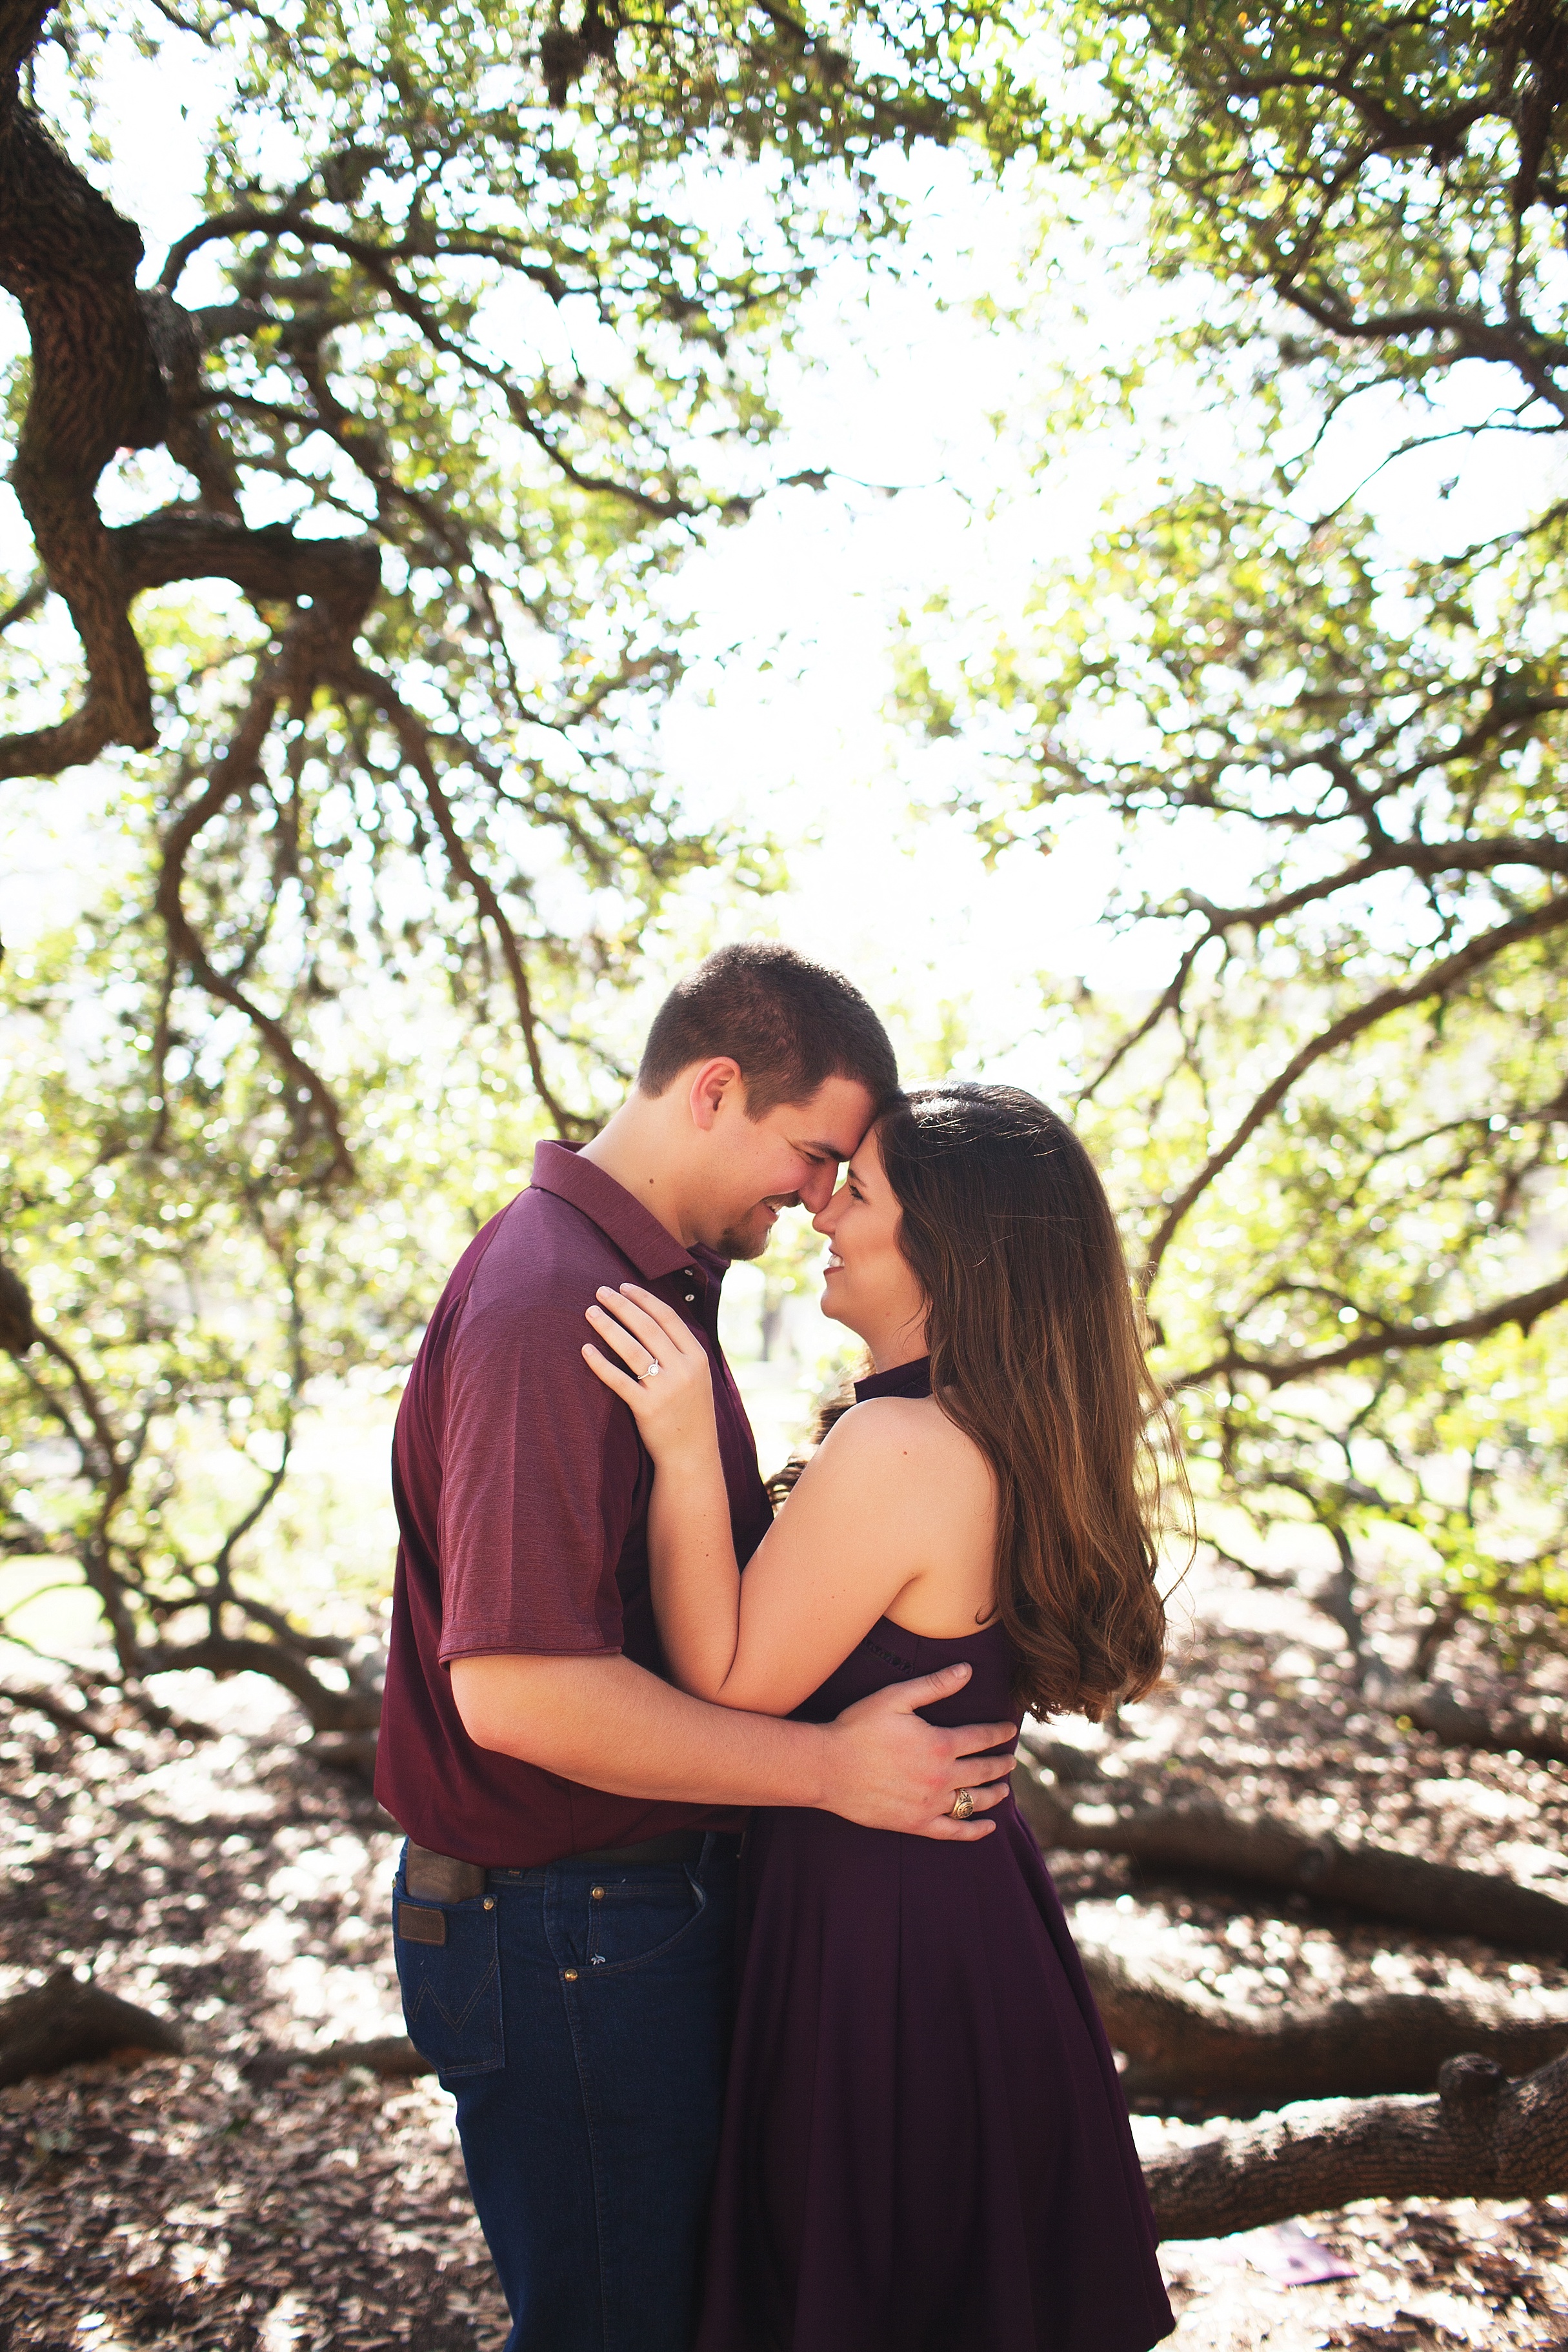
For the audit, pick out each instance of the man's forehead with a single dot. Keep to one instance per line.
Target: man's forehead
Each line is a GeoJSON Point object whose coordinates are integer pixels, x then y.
{"type": "Point", "coordinates": [834, 1122]}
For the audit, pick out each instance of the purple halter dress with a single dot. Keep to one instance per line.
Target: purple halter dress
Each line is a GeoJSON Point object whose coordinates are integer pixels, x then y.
{"type": "Point", "coordinates": [925, 2145]}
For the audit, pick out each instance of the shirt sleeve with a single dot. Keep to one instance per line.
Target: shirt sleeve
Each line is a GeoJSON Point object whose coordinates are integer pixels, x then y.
{"type": "Point", "coordinates": [540, 1472]}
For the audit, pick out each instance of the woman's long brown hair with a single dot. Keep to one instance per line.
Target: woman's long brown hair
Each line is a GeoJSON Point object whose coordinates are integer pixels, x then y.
{"type": "Point", "coordinates": [1036, 1354]}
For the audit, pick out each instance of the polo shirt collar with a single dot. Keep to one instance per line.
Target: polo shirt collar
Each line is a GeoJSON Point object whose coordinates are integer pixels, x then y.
{"type": "Point", "coordinates": [635, 1230]}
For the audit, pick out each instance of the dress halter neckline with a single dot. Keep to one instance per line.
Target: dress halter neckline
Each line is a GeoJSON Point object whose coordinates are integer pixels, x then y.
{"type": "Point", "coordinates": [911, 1379]}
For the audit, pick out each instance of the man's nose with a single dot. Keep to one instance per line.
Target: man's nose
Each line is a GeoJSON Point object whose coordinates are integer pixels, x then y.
{"type": "Point", "coordinates": [818, 1190]}
{"type": "Point", "coordinates": [823, 1221]}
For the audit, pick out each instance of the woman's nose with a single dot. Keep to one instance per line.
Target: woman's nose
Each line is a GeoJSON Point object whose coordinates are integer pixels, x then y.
{"type": "Point", "coordinates": [826, 1216]}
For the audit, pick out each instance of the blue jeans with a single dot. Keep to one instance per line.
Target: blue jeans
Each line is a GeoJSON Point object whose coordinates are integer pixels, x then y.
{"type": "Point", "coordinates": [581, 2016]}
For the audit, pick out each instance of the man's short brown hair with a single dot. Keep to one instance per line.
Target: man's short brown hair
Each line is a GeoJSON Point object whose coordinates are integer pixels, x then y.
{"type": "Point", "coordinates": [790, 1025]}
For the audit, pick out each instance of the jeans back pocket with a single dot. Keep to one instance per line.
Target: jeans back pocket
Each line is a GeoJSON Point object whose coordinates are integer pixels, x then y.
{"type": "Point", "coordinates": [450, 1981]}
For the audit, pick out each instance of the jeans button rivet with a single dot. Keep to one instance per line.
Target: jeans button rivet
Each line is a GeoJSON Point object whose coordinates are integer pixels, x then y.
{"type": "Point", "coordinates": [570, 1975]}
{"type": "Point", "coordinates": [489, 1902]}
{"type": "Point", "coordinates": [597, 1893]}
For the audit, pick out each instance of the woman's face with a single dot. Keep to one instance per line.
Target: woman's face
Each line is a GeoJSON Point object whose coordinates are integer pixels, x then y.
{"type": "Point", "coordinates": [870, 1285]}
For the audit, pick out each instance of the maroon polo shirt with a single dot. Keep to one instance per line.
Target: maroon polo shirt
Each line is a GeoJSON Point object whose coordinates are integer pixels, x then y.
{"type": "Point", "coordinates": [522, 1488]}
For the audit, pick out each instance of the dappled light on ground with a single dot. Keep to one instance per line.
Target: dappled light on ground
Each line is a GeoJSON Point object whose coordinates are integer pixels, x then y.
{"type": "Point", "coordinates": [234, 1887]}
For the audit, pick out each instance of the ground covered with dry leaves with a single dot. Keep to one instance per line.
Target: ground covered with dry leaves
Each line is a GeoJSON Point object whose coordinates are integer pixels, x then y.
{"type": "Point", "coordinates": [229, 1884]}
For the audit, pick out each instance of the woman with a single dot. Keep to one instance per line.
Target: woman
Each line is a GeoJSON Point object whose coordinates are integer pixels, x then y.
{"type": "Point", "coordinates": [925, 2145]}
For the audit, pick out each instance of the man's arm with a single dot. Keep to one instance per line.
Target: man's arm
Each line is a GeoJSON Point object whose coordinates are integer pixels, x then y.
{"type": "Point", "coordinates": [610, 1725]}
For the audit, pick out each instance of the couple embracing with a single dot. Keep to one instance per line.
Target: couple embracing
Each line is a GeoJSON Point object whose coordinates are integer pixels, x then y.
{"type": "Point", "coordinates": [764, 2026]}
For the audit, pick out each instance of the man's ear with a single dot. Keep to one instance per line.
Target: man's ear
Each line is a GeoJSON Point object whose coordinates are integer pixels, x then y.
{"type": "Point", "coordinates": [710, 1082]}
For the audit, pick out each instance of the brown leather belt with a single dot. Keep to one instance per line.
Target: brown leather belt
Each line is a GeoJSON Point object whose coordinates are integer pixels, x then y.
{"type": "Point", "coordinates": [441, 1878]}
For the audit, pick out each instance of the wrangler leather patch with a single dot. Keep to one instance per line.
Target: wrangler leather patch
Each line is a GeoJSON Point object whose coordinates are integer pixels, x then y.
{"type": "Point", "coordinates": [416, 1924]}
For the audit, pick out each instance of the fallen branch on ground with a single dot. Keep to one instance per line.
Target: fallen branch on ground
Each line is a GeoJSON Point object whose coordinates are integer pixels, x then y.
{"type": "Point", "coordinates": [1185, 2044]}
{"type": "Point", "coordinates": [1184, 1838]}
{"type": "Point", "coordinates": [65, 2022]}
{"type": "Point", "coordinates": [1437, 1708]}
{"type": "Point", "coordinates": [394, 2058]}
{"type": "Point", "coordinates": [1479, 2137]}
{"type": "Point", "coordinates": [1067, 1763]}
{"type": "Point", "coordinates": [350, 1752]}
{"type": "Point", "coordinates": [79, 1721]}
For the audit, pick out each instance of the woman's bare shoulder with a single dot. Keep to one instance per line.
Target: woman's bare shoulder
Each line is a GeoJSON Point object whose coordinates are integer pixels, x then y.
{"type": "Point", "coordinates": [909, 1440]}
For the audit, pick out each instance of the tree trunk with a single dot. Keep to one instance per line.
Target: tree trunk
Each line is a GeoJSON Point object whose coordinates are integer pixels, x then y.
{"type": "Point", "coordinates": [1182, 1839]}
{"type": "Point", "coordinates": [118, 366]}
{"type": "Point", "coordinates": [1186, 2045]}
{"type": "Point", "coordinates": [1479, 2137]}
{"type": "Point", "coordinates": [65, 2022]}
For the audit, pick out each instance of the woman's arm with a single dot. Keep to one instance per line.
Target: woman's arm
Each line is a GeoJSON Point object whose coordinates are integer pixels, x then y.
{"type": "Point", "coordinates": [856, 1530]}
{"type": "Point", "coordinates": [693, 1574]}
{"type": "Point", "coordinates": [691, 1556]}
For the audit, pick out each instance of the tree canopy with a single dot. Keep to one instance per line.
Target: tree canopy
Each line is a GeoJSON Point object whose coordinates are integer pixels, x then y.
{"type": "Point", "coordinates": [1341, 1121]}
{"type": "Point", "coordinates": [352, 527]}
{"type": "Point", "coordinates": [465, 345]}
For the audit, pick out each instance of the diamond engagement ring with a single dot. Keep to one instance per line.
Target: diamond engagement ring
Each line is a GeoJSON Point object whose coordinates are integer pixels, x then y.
{"type": "Point", "coordinates": [651, 1370]}
{"type": "Point", "coordinates": [963, 1804]}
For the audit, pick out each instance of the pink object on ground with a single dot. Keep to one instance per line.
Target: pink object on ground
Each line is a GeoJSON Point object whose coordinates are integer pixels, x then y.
{"type": "Point", "coordinates": [1291, 2255]}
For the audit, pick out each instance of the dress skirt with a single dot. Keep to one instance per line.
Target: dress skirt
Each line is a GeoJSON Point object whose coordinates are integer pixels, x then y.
{"type": "Point", "coordinates": [925, 2146]}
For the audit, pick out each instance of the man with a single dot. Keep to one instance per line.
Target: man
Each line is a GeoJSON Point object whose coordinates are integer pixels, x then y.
{"type": "Point", "coordinates": [564, 1911]}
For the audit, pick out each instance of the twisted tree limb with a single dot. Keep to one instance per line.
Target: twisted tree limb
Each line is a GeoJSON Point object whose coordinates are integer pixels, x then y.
{"type": "Point", "coordinates": [1525, 1309]}
{"type": "Point", "coordinates": [71, 260]}
{"type": "Point", "coordinates": [116, 368]}
{"type": "Point", "coordinates": [1480, 2136]}
{"type": "Point", "coordinates": [65, 2022]}
{"type": "Point", "coordinates": [345, 575]}
{"type": "Point", "coordinates": [1436, 981]}
{"type": "Point", "coordinates": [1208, 1838]}
{"type": "Point", "coordinates": [113, 368]}
{"type": "Point", "coordinates": [347, 1719]}
{"type": "Point", "coordinates": [1437, 1708]}
{"type": "Point", "coordinates": [1541, 852]}
{"type": "Point", "coordinates": [414, 741]}
{"type": "Point", "coordinates": [392, 2057]}
{"type": "Point", "coordinates": [221, 1655]}
{"type": "Point", "coordinates": [1187, 2045]}
{"type": "Point", "coordinates": [352, 1753]}
{"type": "Point", "coordinates": [336, 578]}
{"type": "Point", "coordinates": [79, 1721]}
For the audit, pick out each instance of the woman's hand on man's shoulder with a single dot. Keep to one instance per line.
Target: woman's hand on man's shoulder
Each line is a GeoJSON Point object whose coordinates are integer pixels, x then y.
{"type": "Point", "coordinates": [662, 1372]}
